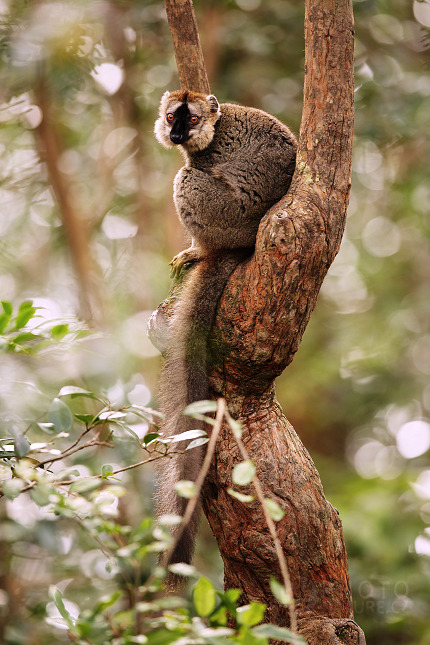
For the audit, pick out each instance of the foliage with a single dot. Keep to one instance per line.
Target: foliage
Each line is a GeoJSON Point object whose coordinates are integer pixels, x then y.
{"type": "Point", "coordinates": [96, 71]}
{"type": "Point", "coordinates": [133, 611]}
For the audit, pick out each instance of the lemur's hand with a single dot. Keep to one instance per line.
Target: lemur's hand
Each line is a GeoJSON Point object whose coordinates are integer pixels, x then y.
{"type": "Point", "coordinates": [179, 262]}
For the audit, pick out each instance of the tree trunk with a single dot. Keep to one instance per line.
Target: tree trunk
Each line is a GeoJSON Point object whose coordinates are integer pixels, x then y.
{"type": "Point", "coordinates": [186, 43]}
{"type": "Point", "coordinates": [75, 229]}
{"type": "Point", "coordinates": [260, 321]}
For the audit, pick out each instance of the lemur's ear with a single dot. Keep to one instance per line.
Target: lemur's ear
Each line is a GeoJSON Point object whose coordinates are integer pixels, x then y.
{"type": "Point", "coordinates": [165, 96]}
{"type": "Point", "coordinates": [213, 104]}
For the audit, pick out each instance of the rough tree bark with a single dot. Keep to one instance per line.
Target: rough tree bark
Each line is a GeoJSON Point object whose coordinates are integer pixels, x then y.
{"type": "Point", "coordinates": [260, 321]}
{"type": "Point", "coordinates": [186, 43]}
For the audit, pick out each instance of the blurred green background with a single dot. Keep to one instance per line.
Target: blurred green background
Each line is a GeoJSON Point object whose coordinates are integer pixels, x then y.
{"type": "Point", "coordinates": [87, 228]}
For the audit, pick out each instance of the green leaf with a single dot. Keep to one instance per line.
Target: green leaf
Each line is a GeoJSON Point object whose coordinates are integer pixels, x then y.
{"type": "Point", "coordinates": [163, 636]}
{"type": "Point", "coordinates": [84, 628]}
{"type": "Point", "coordinates": [142, 413]}
{"type": "Point", "coordinates": [72, 391]}
{"type": "Point", "coordinates": [25, 304]}
{"type": "Point", "coordinates": [85, 418]}
{"type": "Point", "coordinates": [57, 597]}
{"type": "Point", "coordinates": [112, 415]}
{"type": "Point", "coordinates": [150, 437]}
{"type": "Point", "coordinates": [204, 597]}
{"type": "Point", "coordinates": [46, 427]}
{"type": "Point", "coordinates": [24, 337]}
{"type": "Point", "coordinates": [182, 569]}
{"type": "Point", "coordinates": [186, 489]}
{"type": "Point", "coordinates": [107, 470]}
{"type": "Point", "coordinates": [197, 442]}
{"type": "Point", "coordinates": [40, 494]}
{"type": "Point", "coordinates": [25, 313]}
{"type": "Point", "coordinates": [219, 617]}
{"type": "Point", "coordinates": [274, 510]}
{"type": "Point", "coordinates": [106, 602]}
{"type": "Point", "coordinates": [129, 430]}
{"type": "Point", "coordinates": [278, 633]}
{"type": "Point", "coordinates": [201, 407]}
{"type": "Point", "coordinates": [66, 473]}
{"type": "Point", "coordinates": [243, 473]}
{"type": "Point", "coordinates": [12, 487]}
{"type": "Point", "coordinates": [148, 411]}
{"type": "Point", "coordinates": [251, 614]}
{"type": "Point", "coordinates": [189, 434]}
{"type": "Point", "coordinates": [22, 445]}
{"type": "Point", "coordinates": [59, 331]}
{"type": "Point", "coordinates": [247, 637]}
{"type": "Point", "coordinates": [4, 319]}
{"type": "Point", "coordinates": [59, 414]}
{"type": "Point", "coordinates": [7, 307]}
{"type": "Point", "coordinates": [229, 600]}
{"type": "Point", "coordinates": [279, 592]}
{"type": "Point", "coordinates": [85, 485]}
{"type": "Point", "coordinates": [233, 595]}
{"type": "Point", "coordinates": [240, 496]}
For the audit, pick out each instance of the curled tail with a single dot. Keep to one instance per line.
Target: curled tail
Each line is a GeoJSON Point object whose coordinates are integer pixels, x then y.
{"type": "Point", "coordinates": [184, 380]}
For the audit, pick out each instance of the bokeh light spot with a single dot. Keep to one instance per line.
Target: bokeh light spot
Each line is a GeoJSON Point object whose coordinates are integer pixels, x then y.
{"type": "Point", "coordinates": [413, 439]}
{"type": "Point", "coordinates": [108, 76]}
{"type": "Point", "coordinates": [381, 237]}
{"type": "Point", "coordinates": [117, 228]}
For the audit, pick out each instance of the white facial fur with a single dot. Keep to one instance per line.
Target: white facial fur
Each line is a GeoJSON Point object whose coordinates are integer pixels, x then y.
{"type": "Point", "coordinates": [205, 107]}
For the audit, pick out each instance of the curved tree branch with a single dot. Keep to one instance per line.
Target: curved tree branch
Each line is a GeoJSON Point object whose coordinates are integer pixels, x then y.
{"type": "Point", "coordinates": [260, 322]}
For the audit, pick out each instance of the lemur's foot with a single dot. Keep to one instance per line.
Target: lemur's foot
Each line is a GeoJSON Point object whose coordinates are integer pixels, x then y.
{"type": "Point", "coordinates": [180, 261]}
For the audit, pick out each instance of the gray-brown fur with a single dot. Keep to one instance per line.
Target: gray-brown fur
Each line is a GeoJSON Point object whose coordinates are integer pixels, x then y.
{"type": "Point", "coordinates": [239, 162]}
{"type": "Point", "coordinates": [184, 380]}
{"type": "Point", "coordinates": [225, 189]}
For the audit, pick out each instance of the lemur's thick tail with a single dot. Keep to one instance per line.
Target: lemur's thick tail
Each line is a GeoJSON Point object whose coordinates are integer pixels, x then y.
{"type": "Point", "coordinates": [185, 379]}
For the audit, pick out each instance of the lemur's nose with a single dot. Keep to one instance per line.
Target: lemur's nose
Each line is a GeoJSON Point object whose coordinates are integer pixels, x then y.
{"type": "Point", "coordinates": [176, 137]}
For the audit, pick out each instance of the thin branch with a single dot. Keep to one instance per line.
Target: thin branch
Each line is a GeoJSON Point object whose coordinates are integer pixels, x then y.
{"type": "Point", "coordinates": [115, 472]}
{"type": "Point", "coordinates": [67, 453]}
{"type": "Point", "coordinates": [272, 528]}
{"type": "Point", "coordinates": [200, 479]}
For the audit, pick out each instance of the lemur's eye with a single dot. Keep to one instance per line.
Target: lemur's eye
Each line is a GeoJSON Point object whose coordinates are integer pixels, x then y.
{"type": "Point", "coordinates": [194, 119]}
{"type": "Point", "coordinates": [170, 117]}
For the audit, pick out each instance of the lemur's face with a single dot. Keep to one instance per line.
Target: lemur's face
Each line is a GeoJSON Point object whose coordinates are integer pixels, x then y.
{"type": "Point", "coordinates": [184, 122]}
{"type": "Point", "coordinates": [187, 119]}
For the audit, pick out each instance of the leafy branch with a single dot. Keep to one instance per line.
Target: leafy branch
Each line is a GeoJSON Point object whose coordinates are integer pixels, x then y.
{"type": "Point", "coordinates": [243, 474]}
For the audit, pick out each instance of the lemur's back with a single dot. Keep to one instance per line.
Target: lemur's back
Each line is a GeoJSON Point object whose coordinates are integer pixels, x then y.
{"type": "Point", "coordinates": [252, 152]}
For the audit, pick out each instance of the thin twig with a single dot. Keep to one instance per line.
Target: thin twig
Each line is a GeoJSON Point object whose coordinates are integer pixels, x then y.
{"type": "Point", "coordinates": [75, 443]}
{"type": "Point", "coordinates": [33, 422]}
{"type": "Point", "coordinates": [115, 472]}
{"type": "Point", "coordinates": [71, 450]}
{"type": "Point", "coordinates": [272, 528]}
{"type": "Point", "coordinates": [28, 487]}
{"type": "Point", "coordinates": [200, 479]}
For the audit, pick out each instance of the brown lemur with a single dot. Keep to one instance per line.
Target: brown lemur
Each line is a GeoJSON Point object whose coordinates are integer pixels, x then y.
{"type": "Point", "coordinates": [239, 161]}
